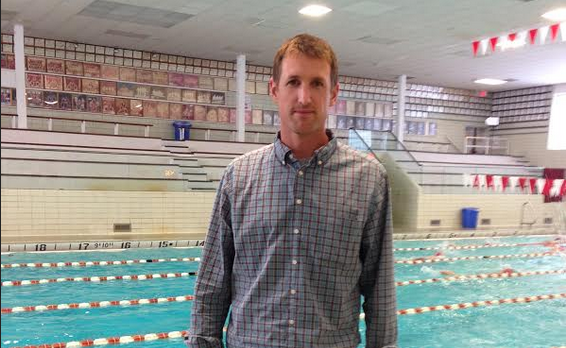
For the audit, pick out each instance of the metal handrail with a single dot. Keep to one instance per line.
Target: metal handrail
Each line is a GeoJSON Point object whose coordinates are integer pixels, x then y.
{"type": "Point", "coordinates": [530, 205]}
{"type": "Point", "coordinates": [405, 148]}
{"type": "Point", "coordinates": [370, 149]}
{"type": "Point", "coordinates": [488, 144]}
{"type": "Point", "coordinates": [83, 123]}
{"type": "Point", "coordinates": [560, 224]}
{"type": "Point", "coordinates": [453, 143]}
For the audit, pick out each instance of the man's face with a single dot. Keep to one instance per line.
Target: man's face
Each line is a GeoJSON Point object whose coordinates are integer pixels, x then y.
{"type": "Point", "coordinates": [303, 94]}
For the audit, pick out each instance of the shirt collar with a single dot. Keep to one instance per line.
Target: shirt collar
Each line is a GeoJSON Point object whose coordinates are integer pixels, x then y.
{"type": "Point", "coordinates": [283, 153]}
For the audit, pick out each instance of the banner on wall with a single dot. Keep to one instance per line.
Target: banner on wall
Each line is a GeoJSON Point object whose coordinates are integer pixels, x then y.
{"type": "Point", "coordinates": [553, 186]}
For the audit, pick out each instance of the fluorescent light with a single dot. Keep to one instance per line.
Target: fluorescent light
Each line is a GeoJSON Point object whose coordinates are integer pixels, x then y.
{"type": "Point", "coordinates": [557, 15]}
{"type": "Point", "coordinates": [493, 82]}
{"type": "Point", "coordinates": [314, 10]}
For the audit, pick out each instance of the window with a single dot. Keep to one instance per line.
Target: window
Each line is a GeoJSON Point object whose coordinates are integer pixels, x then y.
{"type": "Point", "coordinates": [357, 143]}
{"type": "Point", "coordinates": [557, 126]}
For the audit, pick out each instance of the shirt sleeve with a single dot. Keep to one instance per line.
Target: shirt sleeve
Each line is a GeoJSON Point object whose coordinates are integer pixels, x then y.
{"type": "Point", "coordinates": [213, 286]}
{"type": "Point", "coordinates": [377, 282]}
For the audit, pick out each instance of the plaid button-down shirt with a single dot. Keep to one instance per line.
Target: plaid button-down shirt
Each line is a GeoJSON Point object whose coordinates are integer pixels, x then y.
{"type": "Point", "coordinates": [291, 248]}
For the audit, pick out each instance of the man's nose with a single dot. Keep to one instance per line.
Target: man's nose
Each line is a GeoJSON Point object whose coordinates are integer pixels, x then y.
{"type": "Point", "coordinates": [304, 95]}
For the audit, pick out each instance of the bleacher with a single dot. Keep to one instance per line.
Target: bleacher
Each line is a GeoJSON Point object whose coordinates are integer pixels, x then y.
{"type": "Point", "coordinates": [42, 159]}
{"type": "Point", "coordinates": [443, 171]}
{"type": "Point", "coordinates": [50, 160]}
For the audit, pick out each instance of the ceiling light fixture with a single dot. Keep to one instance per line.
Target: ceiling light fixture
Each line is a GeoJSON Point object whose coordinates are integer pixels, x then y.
{"type": "Point", "coordinates": [557, 15]}
{"type": "Point", "coordinates": [491, 82]}
{"type": "Point", "coordinates": [314, 10]}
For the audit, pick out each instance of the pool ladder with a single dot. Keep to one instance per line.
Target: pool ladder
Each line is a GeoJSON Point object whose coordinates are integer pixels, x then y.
{"type": "Point", "coordinates": [532, 209]}
{"type": "Point", "coordinates": [560, 224]}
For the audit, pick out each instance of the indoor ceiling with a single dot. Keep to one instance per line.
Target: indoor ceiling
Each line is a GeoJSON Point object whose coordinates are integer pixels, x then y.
{"type": "Point", "coordinates": [429, 41]}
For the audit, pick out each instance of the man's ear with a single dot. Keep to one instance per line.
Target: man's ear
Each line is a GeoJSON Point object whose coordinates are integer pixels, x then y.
{"type": "Point", "coordinates": [334, 94]}
{"type": "Point", "coordinates": [273, 89]}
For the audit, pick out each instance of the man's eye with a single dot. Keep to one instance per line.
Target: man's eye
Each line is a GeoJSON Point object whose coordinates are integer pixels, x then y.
{"type": "Point", "coordinates": [293, 83]}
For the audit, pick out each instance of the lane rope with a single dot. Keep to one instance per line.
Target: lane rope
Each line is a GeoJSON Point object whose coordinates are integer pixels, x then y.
{"type": "Point", "coordinates": [112, 340]}
{"type": "Point", "coordinates": [198, 259]}
{"type": "Point", "coordinates": [98, 279]}
{"type": "Point", "coordinates": [472, 247]}
{"type": "Point", "coordinates": [41, 308]}
{"type": "Point", "coordinates": [420, 260]}
{"type": "Point", "coordinates": [187, 274]}
{"type": "Point", "coordinates": [180, 334]}
{"type": "Point", "coordinates": [96, 304]}
{"type": "Point", "coordinates": [97, 263]}
{"type": "Point", "coordinates": [457, 306]}
{"type": "Point", "coordinates": [480, 276]}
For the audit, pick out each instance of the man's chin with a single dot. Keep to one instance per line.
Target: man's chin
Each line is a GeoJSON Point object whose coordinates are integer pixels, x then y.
{"type": "Point", "coordinates": [309, 131]}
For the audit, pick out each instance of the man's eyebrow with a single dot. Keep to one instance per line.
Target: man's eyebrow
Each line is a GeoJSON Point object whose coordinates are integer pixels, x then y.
{"type": "Point", "coordinates": [316, 78]}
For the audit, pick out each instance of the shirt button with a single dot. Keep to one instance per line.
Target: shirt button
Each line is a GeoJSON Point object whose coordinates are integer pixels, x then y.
{"type": "Point", "coordinates": [301, 173]}
{"type": "Point", "coordinates": [294, 262]}
{"type": "Point", "coordinates": [293, 291]}
{"type": "Point", "coordinates": [291, 322]}
{"type": "Point", "coordinates": [283, 162]}
{"type": "Point", "coordinates": [319, 163]}
{"type": "Point", "coordinates": [299, 201]}
{"type": "Point", "coordinates": [296, 231]}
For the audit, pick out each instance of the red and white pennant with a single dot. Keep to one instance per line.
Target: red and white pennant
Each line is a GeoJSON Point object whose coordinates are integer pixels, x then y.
{"type": "Point", "coordinates": [536, 36]}
{"type": "Point", "coordinates": [547, 187]}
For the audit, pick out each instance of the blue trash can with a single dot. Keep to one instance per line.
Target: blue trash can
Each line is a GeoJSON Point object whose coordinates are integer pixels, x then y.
{"type": "Point", "coordinates": [470, 217]}
{"type": "Point", "coordinates": [182, 130]}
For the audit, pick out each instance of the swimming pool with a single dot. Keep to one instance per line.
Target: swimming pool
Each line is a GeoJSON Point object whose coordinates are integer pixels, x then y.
{"type": "Point", "coordinates": [159, 304]}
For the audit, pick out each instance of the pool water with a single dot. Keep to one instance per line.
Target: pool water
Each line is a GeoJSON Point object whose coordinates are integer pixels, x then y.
{"type": "Point", "coordinates": [534, 324]}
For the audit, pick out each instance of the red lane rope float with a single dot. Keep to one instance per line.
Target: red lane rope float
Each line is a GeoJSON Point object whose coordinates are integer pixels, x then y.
{"type": "Point", "coordinates": [51, 307]}
{"type": "Point", "coordinates": [480, 276]}
{"type": "Point", "coordinates": [98, 279]}
{"type": "Point", "coordinates": [82, 305]}
{"type": "Point", "coordinates": [179, 334]}
{"type": "Point", "coordinates": [471, 247]}
{"type": "Point", "coordinates": [418, 261]}
{"type": "Point", "coordinates": [97, 263]}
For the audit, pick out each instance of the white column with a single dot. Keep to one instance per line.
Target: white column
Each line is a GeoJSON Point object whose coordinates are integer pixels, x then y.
{"type": "Point", "coordinates": [401, 107]}
{"type": "Point", "coordinates": [241, 98]}
{"type": "Point", "coordinates": [21, 105]}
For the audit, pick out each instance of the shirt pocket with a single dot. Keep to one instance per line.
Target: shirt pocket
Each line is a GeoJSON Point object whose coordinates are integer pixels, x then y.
{"type": "Point", "coordinates": [335, 245]}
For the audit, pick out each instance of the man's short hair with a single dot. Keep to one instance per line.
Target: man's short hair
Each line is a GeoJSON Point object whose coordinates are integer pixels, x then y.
{"type": "Point", "coordinates": [310, 46]}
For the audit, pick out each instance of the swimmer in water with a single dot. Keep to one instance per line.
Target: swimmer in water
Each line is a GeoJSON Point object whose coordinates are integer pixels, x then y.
{"type": "Point", "coordinates": [447, 273]}
{"type": "Point", "coordinates": [507, 271]}
{"type": "Point", "coordinates": [436, 256]}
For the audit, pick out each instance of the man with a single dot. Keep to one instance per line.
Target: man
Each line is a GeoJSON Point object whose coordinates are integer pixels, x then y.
{"type": "Point", "coordinates": [300, 229]}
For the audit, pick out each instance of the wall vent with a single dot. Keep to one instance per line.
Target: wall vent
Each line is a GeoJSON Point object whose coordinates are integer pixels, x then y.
{"type": "Point", "coordinates": [435, 222]}
{"type": "Point", "coordinates": [547, 220]}
{"type": "Point", "coordinates": [485, 221]}
{"type": "Point", "coordinates": [122, 227]}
